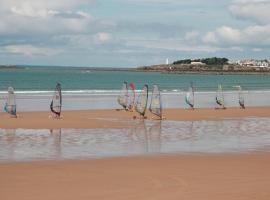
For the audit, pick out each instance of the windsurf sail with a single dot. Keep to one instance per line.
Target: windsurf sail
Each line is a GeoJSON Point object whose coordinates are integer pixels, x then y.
{"type": "Point", "coordinates": [132, 96]}
{"type": "Point", "coordinates": [123, 97]}
{"type": "Point", "coordinates": [241, 99]}
{"type": "Point", "coordinates": [56, 103]}
{"type": "Point", "coordinates": [10, 105]}
{"type": "Point", "coordinates": [155, 105]}
{"type": "Point", "coordinates": [142, 100]}
{"type": "Point", "coordinates": [190, 96]}
{"type": "Point", "coordinates": [220, 97]}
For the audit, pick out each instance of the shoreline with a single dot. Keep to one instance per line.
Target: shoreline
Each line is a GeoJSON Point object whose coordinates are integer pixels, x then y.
{"type": "Point", "coordinates": [110, 118]}
{"type": "Point", "coordinates": [209, 72]}
{"type": "Point", "coordinates": [190, 177]}
{"type": "Point", "coordinates": [166, 70]}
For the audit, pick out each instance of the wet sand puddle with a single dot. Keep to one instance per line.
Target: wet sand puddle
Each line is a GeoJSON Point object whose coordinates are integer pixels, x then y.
{"type": "Point", "coordinates": [144, 138]}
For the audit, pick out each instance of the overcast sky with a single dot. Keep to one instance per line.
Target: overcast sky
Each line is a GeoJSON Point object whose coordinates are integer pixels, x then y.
{"type": "Point", "coordinates": [129, 33]}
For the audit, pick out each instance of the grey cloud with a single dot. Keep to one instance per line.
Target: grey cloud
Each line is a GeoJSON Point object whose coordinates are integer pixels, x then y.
{"type": "Point", "coordinates": [70, 15]}
{"type": "Point", "coordinates": [257, 11]}
{"type": "Point", "coordinates": [154, 29]}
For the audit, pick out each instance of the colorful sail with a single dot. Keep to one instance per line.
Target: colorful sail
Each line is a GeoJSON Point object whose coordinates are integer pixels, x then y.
{"type": "Point", "coordinates": [56, 103]}
{"type": "Point", "coordinates": [123, 97]}
{"type": "Point", "coordinates": [220, 97]}
{"type": "Point", "coordinates": [132, 96]}
{"type": "Point", "coordinates": [190, 96]}
{"type": "Point", "coordinates": [10, 105]}
{"type": "Point", "coordinates": [155, 105]}
{"type": "Point", "coordinates": [142, 100]}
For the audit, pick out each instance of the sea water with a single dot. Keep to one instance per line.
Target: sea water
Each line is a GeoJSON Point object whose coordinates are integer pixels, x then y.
{"type": "Point", "coordinates": [88, 89]}
{"type": "Point", "coordinates": [143, 138]}
{"type": "Point", "coordinates": [91, 89]}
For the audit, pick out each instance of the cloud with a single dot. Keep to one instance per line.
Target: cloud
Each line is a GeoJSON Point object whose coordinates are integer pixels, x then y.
{"type": "Point", "coordinates": [152, 29]}
{"type": "Point", "coordinates": [256, 10]}
{"type": "Point", "coordinates": [175, 45]}
{"type": "Point", "coordinates": [103, 37]}
{"type": "Point", "coordinates": [255, 36]}
{"type": "Point", "coordinates": [43, 17]}
{"type": "Point", "coordinates": [224, 34]}
{"type": "Point", "coordinates": [130, 31]}
{"type": "Point", "coordinates": [29, 50]}
{"type": "Point", "coordinates": [192, 35]}
{"type": "Point", "coordinates": [42, 4]}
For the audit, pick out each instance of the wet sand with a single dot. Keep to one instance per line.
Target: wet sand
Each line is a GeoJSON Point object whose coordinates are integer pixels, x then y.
{"type": "Point", "coordinates": [120, 119]}
{"type": "Point", "coordinates": [191, 177]}
{"type": "Point", "coordinates": [239, 176]}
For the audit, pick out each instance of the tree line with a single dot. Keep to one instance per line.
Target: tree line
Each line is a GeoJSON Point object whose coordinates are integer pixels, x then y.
{"type": "Point", "coordinates": [207, 61]}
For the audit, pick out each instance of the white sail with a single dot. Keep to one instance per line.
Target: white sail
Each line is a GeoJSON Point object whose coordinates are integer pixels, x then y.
{"type": "Point", "coordinates": [142, 100]}
{"type": "Point", "coordinates": [123, 97]}
{"type": "Point", "coordinates": [56, 103]}
{"type": "Point", "coordinates": [241, 99]}
{"type": "Point", "coordinates": [220, 97]}
{"type": "Point", "coordinates": [156, 105]}
{"type": "Point", "coordinates": [190, 96]}
{"type": "Point", "coordinates": [10, 105]}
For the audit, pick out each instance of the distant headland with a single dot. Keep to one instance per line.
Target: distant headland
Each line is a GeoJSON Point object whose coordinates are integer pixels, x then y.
{"type": "Point", "coordinates": [9, 67]}
{"type": "Point", "coordinates": [212, 65]}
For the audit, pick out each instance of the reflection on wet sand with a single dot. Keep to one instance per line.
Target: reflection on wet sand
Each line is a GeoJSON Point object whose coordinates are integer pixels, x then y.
{"type": "Point", "coordinates": [154, 137]}
{"type": "Point", "coordinates": [56, 144]}
{"type": "Point", "coordinates": [145, 137]}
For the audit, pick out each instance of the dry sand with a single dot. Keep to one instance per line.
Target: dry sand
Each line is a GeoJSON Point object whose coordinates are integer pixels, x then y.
{"type": "Point", "coordinates": [189, 177]}
{"type": "Point", "coordinates": [113, 118]}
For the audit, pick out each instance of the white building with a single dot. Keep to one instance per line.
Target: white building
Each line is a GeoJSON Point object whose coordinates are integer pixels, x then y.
{"type": "Point", "coordinates": [253, 63]}
{"type": "Point", "coordinates": [167, 61]}
{"type": "Point", "coordinates": [197, 63]}
{"type": "Point", "coordinates": [262, 63]}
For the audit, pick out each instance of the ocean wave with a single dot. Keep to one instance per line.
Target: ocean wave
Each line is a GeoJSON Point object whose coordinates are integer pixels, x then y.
{"type": "Point", "coordinates": [116, 92]}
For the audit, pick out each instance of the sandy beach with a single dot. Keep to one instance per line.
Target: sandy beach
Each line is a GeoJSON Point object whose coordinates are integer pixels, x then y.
{"type": "Point", "coordinates": [204, 176]}
{"type": "Point", "coordinates": [118, 119]}
{"type": "Point", "coordinates": [190, 177]}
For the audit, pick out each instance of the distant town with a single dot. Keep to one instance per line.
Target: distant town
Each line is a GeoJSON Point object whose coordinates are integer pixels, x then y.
{"type": "Point", "coordinates": [212, 65]}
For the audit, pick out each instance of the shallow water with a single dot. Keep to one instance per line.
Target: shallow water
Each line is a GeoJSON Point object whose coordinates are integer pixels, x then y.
{"type": "Point", "coordinates": [144, 138]}
{"type": "Point", "coordinates": [108, 100]}
{"type": "Point", "coordinates": [76, 79]}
